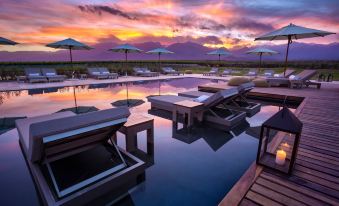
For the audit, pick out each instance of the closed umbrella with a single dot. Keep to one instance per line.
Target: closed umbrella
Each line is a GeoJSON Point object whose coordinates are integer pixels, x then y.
{"type": "Point", "coordinates": [159, 51]}
{"type": "Point", "coordinates": [220, 52]}
{"type": "Point", "coordinates": [69, 44]}
{"type": "Point", "coordinates": [4, 41]}
{"type": "Point", "coordinates": [126, 48]}
{"type": "Point", "coordinates": [292, 32]}
{"type": "Point", "coordinates": [261, 52]}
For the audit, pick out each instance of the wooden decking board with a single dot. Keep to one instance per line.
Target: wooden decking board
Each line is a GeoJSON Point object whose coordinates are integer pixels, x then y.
{"type": "Point", "coordinates": [289, 192]}
{"type": "Point", "coordinates": [247, 202]}
{"type": "Point", "coordinates": [315, 178]}
{"type": "Point", "coordinates": [317, 173]}
{"type": "Point", "coordinates": [299, 188]}
{"type": "Point", "coordinates": [260, 199]}
{"type": "Point", "coordinates": [274, 195]}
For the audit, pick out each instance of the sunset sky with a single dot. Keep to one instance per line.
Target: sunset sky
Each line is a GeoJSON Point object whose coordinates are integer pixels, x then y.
{"type": "Point", "coordinates": [231, 24]}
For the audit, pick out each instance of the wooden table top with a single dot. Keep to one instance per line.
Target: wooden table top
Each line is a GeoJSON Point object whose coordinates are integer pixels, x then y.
{"type": "Point", "coordinates": [136, 119]}
{"type": "Point", "coordinates": [188, 104]}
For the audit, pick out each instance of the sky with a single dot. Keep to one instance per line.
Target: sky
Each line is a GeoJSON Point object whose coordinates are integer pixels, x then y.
{"type": "Point", "coordinates": [230, 24]}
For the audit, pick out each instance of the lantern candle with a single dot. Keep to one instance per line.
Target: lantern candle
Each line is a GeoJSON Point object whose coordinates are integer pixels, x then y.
{"type": "Point", "coordinates": [280, 157]}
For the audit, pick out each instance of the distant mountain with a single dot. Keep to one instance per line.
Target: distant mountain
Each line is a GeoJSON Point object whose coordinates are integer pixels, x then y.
{"type": "Point", "coordinates": [183, 51]}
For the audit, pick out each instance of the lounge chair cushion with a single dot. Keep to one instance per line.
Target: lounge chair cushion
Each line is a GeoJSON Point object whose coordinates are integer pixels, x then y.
{"type": "Point", "coordinates": [260, 82]}
{"type": "Point", "coordinates": [236, 81]}
{"type": "Point", "coordinates": [219, 97]}
{"type": "Point", "coordinates": [294, 77]}
{"type": "Point", "coordinates": [34, 74]}
{"type": "Point", "coordinates": [251, 73]}
{"type": "Point", "coordinates": [201, 98]}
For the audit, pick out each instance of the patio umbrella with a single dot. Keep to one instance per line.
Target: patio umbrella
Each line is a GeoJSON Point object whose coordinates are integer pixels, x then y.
{"type": "Point", "coordinates": [80, 109]}
{"type": "Point", "coordinates": [260, 52]}
{"type": "Point", "coordinates": [69, 44]}
{"type": "Point", "coordinates": [4, 41]}
{"type": "Point", "coordinates": [220, 52]}
{"type": "Point", "coordinates": [292, 32]}
{"type": "Point", "coordinates": [126, 48]}
{"type": "Point", "coordinates": [159, 51]}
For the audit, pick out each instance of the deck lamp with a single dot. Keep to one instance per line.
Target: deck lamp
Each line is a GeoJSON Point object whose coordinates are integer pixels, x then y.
{"type": "Point", "coordinates": [279, 141]}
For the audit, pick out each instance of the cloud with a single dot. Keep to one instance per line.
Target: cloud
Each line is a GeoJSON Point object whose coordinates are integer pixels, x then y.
{"type": "Point", "coordinates": [98, 9]}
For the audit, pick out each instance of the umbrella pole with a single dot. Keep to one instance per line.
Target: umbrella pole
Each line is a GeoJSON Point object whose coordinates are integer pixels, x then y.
{"type": "Point", "coordinates": [219, 58]}
{"type": "Point", "coordinates": [260, 63]}
{"type": "Point", "coordinates": [159, 71]}
{"type": "Point", "coordinates": [127, 94]}
{"type": "Point", "coordinates": [71, 58]}
{"type": "Point", "coordinates": [126, 63]}
{"type": "Point", "coordinates": [288, 46]}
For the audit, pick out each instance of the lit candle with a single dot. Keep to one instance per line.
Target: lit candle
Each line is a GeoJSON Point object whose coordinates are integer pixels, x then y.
{"type": "Point", "coordinates": [280, 157]}
{"type": "Point", "coordinates": [285, 146]}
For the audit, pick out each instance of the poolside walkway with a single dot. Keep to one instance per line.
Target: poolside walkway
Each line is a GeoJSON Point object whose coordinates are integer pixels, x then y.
{"type": "Point", "coordinates": [13, 85]}
{"type": "Point", "coordinates": [315, 179]}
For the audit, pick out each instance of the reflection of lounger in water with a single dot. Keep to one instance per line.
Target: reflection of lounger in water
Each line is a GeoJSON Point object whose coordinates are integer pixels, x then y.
{"type": "Point", "coordinates": [237, 102]}
{"type": "Point", "coordinates": [213, 111]}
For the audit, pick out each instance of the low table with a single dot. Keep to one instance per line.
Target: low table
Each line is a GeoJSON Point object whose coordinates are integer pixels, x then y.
{"type": "Point", "coordinates": [188, 109]}
{"type": "Point", "coordinates": [137, 123]}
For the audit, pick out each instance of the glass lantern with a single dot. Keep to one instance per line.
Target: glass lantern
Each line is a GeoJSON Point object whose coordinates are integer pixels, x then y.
{"type": "Point", "coordinates": [279, 141]}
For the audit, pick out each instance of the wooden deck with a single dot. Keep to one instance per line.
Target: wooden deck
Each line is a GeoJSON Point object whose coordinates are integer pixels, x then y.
{"type": "Point", "coordinates": [315, 178]}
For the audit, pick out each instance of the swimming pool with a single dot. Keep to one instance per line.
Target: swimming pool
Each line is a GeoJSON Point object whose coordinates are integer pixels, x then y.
{"type": "Point", "coordinates": [197, 170]}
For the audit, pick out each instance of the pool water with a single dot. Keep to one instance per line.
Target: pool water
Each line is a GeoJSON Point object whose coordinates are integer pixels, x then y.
{"type": "Point", "coordinates": [188, 170]}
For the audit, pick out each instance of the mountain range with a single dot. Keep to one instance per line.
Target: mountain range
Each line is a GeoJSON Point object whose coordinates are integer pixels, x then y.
{"type": "Point", "coordinates": [182, 51]}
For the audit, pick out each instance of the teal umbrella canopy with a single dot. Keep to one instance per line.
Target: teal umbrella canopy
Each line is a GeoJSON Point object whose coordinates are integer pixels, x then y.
{"type": "Point", "coordinates": [220, 52]}
{"type": "Point", "coordinates": [292, 32]}
{"type": "Point", "coordinates": [262, 51]}
{"type": "Point", "coordinates": [4, 41]}
{"type": "Point", "coordinates": [69, 44]}
{"type": "Point", "coordinates": [126, 48]}
{"type": "Point", "coordinates": [159, 51]}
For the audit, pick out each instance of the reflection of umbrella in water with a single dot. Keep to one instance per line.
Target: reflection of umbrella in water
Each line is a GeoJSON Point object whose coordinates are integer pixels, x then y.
{"type": "Point", "coordinates": [69, 44]}
{"type": "Point", "coordinates": [292, 32]}
{"type": "Point", "coordinates": [4, 41]}
{"type": "Point", "coordinates": [80, 109]}
{"type": "Point", "coordinates": [131, 103]}
{"type": "Point", "coordinates": [159, 51]}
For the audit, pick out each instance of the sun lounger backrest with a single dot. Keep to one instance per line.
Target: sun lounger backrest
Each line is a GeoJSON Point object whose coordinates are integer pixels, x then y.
{"type": "Point", "coordinates": [33, 72]}
{"type": "Point", "coordinates": [69, 133]}
{"type": "Point", "coordinates": [104, 70]}
{"type": "Point", "coordinates": [306, 74]}
{"type": "Point", "coordinates": [214, 69]}
{"type": "Point", "coordinates": [219, 97]}
{"type": "Point", "coordinates": [246, 87]}
{"type": "Point", "coordinates": [49, 71]}
{"type": "Point", "coordinates": [93, 70]}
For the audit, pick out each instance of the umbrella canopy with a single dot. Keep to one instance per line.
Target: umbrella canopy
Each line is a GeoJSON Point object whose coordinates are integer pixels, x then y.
{"type": "Point", "coordinates": [220, 52]}
{"type": "Point", "coordinates": [292, 32]}
{"type": "Point", "coordinates": [69, 44]}
{"type": "Point", "coordinates": [261, 52]}
{"type": "Point", "coordinates": [4, 41]}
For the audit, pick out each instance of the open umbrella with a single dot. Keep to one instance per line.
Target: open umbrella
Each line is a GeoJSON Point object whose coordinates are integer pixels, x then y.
{"type": "Point", "coordinates": [220, 52]}
{"type": "Point", "coordinates": [260, 52]}
{"type": "Point", "coordinates": [4, 41]}
{"type": "Point", "coordinates": [126, 48]}
{"type": "Point", "coordinates": [69, 44]}
{"type": "Point", "coordinates": [159, 51]}
{"type": "Point", "coordinates": [292, 32]}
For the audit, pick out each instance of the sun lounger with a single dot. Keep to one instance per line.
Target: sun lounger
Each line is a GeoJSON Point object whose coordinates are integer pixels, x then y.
{"type": "Point", "coordinates": [303, 79]}
{"type": "Point", "coordinates": [52, 75]}
{"type": "Point", "coordinates": [213, 71]}
{"type": "Point", "coordinates": [279, 79]}
{"type": "Point", "coordinates": [144, 72]}
{"type": "Point", "coordinates": [252, 72]}
{"type": "Point", "coordinates": [95, 73]}
{"type": "Point", "coordinates": [104, 71]}
{"type": "Point", "coordinates": [34, 75]}
{"type": "Point", "coordinates": [213, 112]}
{"type": "Point", "coordinates": [73, 159]}
{"type": "Point", "coordinates": [226, 72]}
{"type": "Point", "coordinates": [299, 80]}
{"type": "Point", "coordinates": [268, 73]}
{"type": "Point", "coordinates": [238, 102]}
{"type": "Point", "coordinates": [169, 70]}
